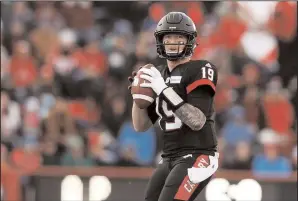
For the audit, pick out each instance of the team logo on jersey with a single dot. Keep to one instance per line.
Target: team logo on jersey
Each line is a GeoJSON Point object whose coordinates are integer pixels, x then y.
{"type": "Point", "coordinates": [208, 65]}
{"type": "Point", "coordinates": [173, 80]}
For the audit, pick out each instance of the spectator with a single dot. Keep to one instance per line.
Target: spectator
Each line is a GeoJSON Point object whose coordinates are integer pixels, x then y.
{"type": "Point", "coordinates": [156, 12]}
{"type": "Point", "coordinates": [59, 121]}
{"type": "Point", "coordinates": [22, 12]}
{"type": "Point", "coordinates": [47, 15]}
{"type": "Point", "coordinates": [276, 105]}
{"type": "Point", "coordinates": [23, 68]}
{"type": "Point", "coordinates": [251, 75]}
{"type": "Point", "coordinates": [10, 118]}
{"type": "Point", "coordinates": [27, 156]}
{"type": "Point", "coordinates": [45, 41]}
{"type": "Point", "coordinates": [116, 111]}
{"type": "Point", "coordinates": [223, 100]}
{"type": "Point", "coordinates": [270, 163]}
{"type": "Point", "coordinates": [74, 155]}
{"type": "Point", "coordinates": [283, 24]}
{"type": "Point", "coordinates": [85, 113]}
{"type": "Point", "coordinates": [80, 17]}
{"type": "Point", "coordinates": [49, 152]}
{"type": "Point", "coordinates": [136, 148]}
{"type": "Point", "coordinates": [63, 62]}
{"type": "Point", "coordinates": [91, 60]}
{"type": "Point", "coordinates": [102, 146]}
{"type": "Point", "coordinates": [236, 129]}
{"type": "Point", "coordinates": [254, 112]}
{"type": "Point", "coordinates": [243, 157]}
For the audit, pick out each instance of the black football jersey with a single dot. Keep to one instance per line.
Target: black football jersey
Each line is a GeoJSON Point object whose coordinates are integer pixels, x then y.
{"type": "Point", "coordinates": [195, 82]}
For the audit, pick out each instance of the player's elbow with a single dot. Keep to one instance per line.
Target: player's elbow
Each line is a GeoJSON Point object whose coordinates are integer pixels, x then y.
{"type": "Point", "coordinates": [140, 127]}
{"type": "Point", "coordinates": [136, 127]}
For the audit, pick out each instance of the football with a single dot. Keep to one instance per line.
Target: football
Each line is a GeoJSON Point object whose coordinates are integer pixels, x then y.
{"type": "Point", "coordinates": [143, 97]}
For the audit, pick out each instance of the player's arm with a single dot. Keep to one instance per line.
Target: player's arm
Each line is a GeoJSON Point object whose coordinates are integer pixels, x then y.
{"type": "Point", "coordinates": [192, 116]}
{"type": "Point", "coordinates": [199, 102]}
{"type": "Point", "coordinates": [140, 119]}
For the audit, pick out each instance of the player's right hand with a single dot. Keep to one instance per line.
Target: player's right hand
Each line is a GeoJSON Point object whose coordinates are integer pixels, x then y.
{"type": "Point", "coordinates": [133, 74]}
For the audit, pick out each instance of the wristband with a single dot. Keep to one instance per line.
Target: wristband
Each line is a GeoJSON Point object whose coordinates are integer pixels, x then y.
{"type": "Point", "coordinates": [172, 98]}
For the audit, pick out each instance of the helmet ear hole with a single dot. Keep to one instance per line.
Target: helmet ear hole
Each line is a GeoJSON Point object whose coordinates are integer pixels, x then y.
{"type": "Point", "coordinates": [159, 45]}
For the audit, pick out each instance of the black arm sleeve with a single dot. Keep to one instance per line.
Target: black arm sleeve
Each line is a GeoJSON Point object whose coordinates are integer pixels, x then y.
{"type": "Point", "coordinates": [152, 113]}
{"type": "Point", "coordinates": [202, 98]}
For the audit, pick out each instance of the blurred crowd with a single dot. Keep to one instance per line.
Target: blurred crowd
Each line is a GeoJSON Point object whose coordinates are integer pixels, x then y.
{"type": "Point", "coordinates": [64, 69]}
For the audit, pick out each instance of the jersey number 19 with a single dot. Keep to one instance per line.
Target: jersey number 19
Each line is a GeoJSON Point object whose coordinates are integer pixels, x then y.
{"type": "Point", "coordinates": [208, 72]}
{"type": "Point", "coordinates": [168, 120]}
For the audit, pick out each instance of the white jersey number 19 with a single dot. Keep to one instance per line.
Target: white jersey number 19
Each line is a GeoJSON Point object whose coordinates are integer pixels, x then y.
{"type": "Point", "coordinates": [165, 114]}
{"type": "Point", "coordinates": [208, 72]}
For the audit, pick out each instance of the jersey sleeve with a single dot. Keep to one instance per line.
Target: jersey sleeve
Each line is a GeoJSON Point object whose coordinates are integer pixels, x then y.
{"type": "Point", "coordinates": [153, 116]}
{"type": "Point", "coordinates": [199, 74]}
{"type": "Point", "coordinates": [202, 98]}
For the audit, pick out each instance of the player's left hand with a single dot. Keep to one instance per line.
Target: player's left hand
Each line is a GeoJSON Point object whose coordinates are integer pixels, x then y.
{"type": "Point", "coordinates": [154, 78]}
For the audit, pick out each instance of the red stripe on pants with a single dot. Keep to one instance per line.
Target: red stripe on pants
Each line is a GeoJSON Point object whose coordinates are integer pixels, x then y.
{"type": "Point", "coordinates": [187, 188]}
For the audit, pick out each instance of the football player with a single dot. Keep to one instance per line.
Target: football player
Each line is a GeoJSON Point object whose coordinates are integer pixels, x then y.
{"type": "Point", "coordinates": [185, 91]}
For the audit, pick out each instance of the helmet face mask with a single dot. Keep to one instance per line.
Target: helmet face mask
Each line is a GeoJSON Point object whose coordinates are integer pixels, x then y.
{"type": "Point", "coordinates": [179, 24]}
{"type": "Point", "coordinates": [184, 50]}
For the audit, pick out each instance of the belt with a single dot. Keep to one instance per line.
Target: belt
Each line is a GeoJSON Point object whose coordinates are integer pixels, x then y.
{"type": "Point", "coordinates": [216, 154]}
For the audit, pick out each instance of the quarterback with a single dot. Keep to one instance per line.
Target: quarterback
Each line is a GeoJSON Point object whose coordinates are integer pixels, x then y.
{"type": "Point", "coordinates": [184, 109]}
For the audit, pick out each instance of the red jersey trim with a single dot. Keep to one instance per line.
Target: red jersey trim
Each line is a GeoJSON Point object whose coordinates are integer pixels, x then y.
{"type": "Point", "coordinates": [198, 83]}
